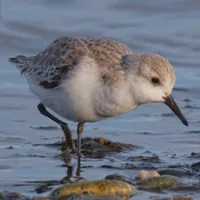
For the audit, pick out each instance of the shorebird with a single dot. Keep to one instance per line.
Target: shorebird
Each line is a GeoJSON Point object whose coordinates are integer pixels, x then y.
{"type": "Point", "coordinates": [88, 79]}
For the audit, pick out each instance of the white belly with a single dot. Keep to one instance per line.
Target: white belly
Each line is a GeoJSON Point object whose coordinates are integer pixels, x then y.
{"type": "Point", "coordinates": [56, 100]}
{"type": "Point", "coordinates": [81, 105]}
{"type": "Point", "coordinates": [70, 104]}
{"type": "Point", "coordinates": [82, 97]}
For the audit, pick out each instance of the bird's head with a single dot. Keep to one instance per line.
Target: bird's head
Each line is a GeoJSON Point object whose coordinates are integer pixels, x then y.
{"type": "Point", "coordinates": [152, 80]}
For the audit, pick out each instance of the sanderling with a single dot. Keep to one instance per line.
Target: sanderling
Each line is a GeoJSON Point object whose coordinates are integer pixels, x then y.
{"type": "Point", "coordinates": [87, 79]}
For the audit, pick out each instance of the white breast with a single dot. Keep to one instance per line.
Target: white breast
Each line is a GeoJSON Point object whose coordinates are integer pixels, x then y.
{"type": "Point", "coordinates": [82, 97]}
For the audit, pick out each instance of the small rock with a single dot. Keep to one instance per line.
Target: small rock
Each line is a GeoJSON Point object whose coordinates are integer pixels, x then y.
{"type": "Point", "coordinates": [195, 155]}
{"type": "Point", "coordinates": [48, 128]}
{"type": "Point", "coordinates": [10, 195]}
{"type": "Point", "coordinates": [42, 188]}
{"type": "Point", "coordinates": [115, 177]}
{"type": "Point", "coordinates": [149, 159]}
{"type": "Point", "coordinates": [2, 195]}
{"type": "Point", "coordinates": [103, 144]}
{"type": "Point", "coordinates": [194, 186]}
{"type": "Point", "coordinates": [181, 198]}
{"type": "Point", "coordinates": [176, 198]}
{"type": "Point", "coordinates": [10, 147]}
{"type": "Point", "coordinates": [101, 188]}
{"type": "Point", "coordinates": [144, 174]}
{"type": "Point", "coordinates": [196, 166]}
{"type": "Point", "coordinates": [86, 196]}
{"type": "Point", "coordinates": [159, 183]}
{"type": "Point", "coordinates": [98, 147]}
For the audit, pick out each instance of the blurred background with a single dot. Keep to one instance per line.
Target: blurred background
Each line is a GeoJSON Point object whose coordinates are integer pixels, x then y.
{"type": "Point", "coordinates": [168, 27]}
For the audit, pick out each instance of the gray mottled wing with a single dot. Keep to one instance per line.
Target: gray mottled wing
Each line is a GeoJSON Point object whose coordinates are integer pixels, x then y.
{"type": "Point", "coordinates": [56, 60]}
{"type": "Point", "coordinates": [65, 53]}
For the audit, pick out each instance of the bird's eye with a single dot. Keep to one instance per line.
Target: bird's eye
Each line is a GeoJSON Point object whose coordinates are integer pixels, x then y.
{"type": "Point", "coordinates": [155, 81]}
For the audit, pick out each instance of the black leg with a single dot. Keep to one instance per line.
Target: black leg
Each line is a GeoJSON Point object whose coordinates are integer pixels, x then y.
{"type": "Point", "coordinates": [68, 136]}
{"type": "Point", "coordinates": [80, 127]}
{"type": "Point", "coordinates": [78, 170]}
{"type": "Point", "coordinates": [63, 125]}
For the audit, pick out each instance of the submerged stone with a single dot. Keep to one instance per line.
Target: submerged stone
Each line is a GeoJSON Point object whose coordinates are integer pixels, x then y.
{"type": "Point", "coordinates": [17, 196]}
{"type": "Point", "coordinates": [196, 166]}
{"type": "Point", "coordinates": [194, 186]}
{"type": "Point", "coordinates": [174, 172]}
{"type": "Point", "coordinates": [181, 198]}
{"type": "Point", "coordinates": [175, 198]}
{"type": "Point", "coordinates": [98, 147]}
{"type": "Point", "coordinates": [86, 197]}
{"type": "Point", "coordinates": [159, 183]}
{"type": "Point", "coordinates": [102, 143]}
{"type": "Point", "coordinates": [115, 177]}
{"type": "Point", "coordinates": [147, 159]}
{"type": "Point", "coordinates": [42, 188]}
{"type": "Point", "coordinates": [101, 188]}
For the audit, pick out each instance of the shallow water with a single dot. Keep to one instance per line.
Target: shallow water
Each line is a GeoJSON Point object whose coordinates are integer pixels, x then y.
{"type": "Point", "coordinates": [168, 27]}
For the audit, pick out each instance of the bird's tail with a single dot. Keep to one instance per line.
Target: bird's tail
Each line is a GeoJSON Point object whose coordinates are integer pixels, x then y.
{"type": "Point", "coordinates": [20, 61]}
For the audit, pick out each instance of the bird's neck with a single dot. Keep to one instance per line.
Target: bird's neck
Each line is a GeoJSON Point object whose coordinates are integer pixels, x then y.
{"type": "Point", "coordinates": [116, 101]}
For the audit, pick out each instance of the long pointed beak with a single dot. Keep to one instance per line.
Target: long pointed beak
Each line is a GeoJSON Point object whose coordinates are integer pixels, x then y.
{"type": "Point", "coordinates": [174, 107]}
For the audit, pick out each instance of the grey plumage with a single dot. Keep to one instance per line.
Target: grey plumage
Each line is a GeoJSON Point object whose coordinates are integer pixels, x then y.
{"type": "Point", "coordinates": [51, 65]}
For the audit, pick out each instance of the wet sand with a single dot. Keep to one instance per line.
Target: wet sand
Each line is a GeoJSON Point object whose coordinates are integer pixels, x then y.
{"type": "Point", "coordinates": [169, 28]}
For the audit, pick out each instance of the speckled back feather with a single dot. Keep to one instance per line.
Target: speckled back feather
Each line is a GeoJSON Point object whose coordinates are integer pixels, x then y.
{"type": "Point", "coordinates": [49, 66]}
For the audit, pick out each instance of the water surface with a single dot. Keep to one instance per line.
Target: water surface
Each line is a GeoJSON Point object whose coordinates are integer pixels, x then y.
{"type": "Point", "coordinates": [168, 27]}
